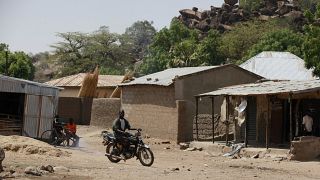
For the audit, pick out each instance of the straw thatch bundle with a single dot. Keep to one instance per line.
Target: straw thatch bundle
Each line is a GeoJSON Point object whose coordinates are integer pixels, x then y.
{"type": "Point", "coordinates": [117, 92]}
{"type": "Point", "coordinates": [89, 84]}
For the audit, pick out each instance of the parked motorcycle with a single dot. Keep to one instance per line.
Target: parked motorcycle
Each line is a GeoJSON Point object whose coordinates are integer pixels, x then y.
{"type": "Point", "coordinates": [135, 148]}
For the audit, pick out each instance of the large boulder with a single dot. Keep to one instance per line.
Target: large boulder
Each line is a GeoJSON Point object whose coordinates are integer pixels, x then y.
{"type": "Point", "coordinates": [188, 13]}
{"type": "Point", "coordinates": [231, 2]}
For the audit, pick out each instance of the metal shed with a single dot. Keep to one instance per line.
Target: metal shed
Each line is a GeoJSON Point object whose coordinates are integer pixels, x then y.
{"type": "Point", "coordinates": [26, 108]}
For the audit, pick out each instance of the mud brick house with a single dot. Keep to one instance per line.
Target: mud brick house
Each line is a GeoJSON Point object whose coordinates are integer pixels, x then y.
{"type": "Point", "coordinates": [162, 104]}
{"type": "Point", "coordinates": [26, 108]}
{"type": "Point", "coordinates": [71, 106]}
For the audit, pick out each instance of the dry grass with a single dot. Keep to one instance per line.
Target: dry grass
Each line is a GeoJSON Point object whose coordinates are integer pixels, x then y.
{"type": "Point", "coordinates": [89, 84]}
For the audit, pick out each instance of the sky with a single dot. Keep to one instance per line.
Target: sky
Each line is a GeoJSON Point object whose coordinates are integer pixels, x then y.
{"type": "Point", "coordinates": [32, 25]}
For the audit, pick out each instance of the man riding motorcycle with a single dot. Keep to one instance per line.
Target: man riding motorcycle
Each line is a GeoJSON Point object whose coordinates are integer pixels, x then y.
{"type": "Point", "coordinates": [120, 125]}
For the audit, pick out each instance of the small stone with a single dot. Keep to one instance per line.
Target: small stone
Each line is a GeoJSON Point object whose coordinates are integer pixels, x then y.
{"type": "Point", "coordinates": [205, 165]}
{"type": "Point", "coordinates": [165, 142]}
{"type": "Point", "coordinates": [32, 171]}
{"type": "Point", "coordinates": [256, 156]}
{"type": "Point", "coordinates": [189, 169]}
{"type": "Point", "coordinates": [191, 149]}
{"type": "Point", "coordinates": [175, 169]}
{"type": "Point", "coordinates": [183, 146]}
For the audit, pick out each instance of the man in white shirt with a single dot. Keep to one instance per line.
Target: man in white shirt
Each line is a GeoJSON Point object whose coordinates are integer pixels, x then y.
{"type": "Point", "coordinates": [307, 123]}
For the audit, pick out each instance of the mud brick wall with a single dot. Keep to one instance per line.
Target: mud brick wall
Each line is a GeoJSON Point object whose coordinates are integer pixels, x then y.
{"type": "Point", "coordinates": [305, 148]}
{"type": "Point", "coordinates": [152, 108]}
{"type": "Point", "coordinates": [104, 111]}
{"type": "Point", "coordinates": [77, 108]}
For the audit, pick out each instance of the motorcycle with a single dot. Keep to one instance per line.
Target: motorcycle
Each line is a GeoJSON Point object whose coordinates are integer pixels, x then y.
{"type": "Point", "coordinates": [135, 148]}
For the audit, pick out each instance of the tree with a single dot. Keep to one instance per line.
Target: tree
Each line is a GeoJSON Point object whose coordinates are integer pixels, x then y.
{"type": "Point", "coordinates": [311, 48]}
{"type": "Point", "coordinates": [237, 42]}
{"type": "Point", "coordinates": [19, 64]}
{"type": "Point", "coordinates": [179, 46]}
{"type": "Point", "coordinates": [141, 34]}
{"type": "Point", "coordinates": [82, 52]}
{"type": "Point", "coordinates": [280, 40]}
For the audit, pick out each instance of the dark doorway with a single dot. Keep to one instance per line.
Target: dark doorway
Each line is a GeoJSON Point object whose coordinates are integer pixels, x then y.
{"type": "Point", "coordinates": [11, 113]}
{"type": "Point", "coordinates": [251, 129]}
{"type": "Point", "coordinates": [276, 127]}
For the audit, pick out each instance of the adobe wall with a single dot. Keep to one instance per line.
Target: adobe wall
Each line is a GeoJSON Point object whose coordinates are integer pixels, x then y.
{"type": "Point", "coordinates": [305, 148]}
{"type": "Point", "coordinates": [104, 92]}
{"type": "Point", "coordinates": [104, 111]}
{"type": "Point", "coordinates": [152, 108]}
{"type": "Point", "coordinates": [77, 108]}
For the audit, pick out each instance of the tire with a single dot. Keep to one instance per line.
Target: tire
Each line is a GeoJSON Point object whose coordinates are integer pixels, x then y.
{"type": "Point", "coordinates": [110, 150]}
{"type": "Point", "coordinates": [48, 136]}
{"type": "Point", "coordinates": [145, 154]}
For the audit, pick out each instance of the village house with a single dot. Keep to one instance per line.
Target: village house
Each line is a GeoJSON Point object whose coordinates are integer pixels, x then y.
{"type": "Point", "coordinates": [273, 113]}
{"type": "Point", "coordinates": [26, 108]}
{"type": "Point", "coordinates": [162, 104]}
{"type": "Point", "coordinates": [271, 65]}
{"type": "Point", "coordinates": [71, 85]}
{"type": "Point", "coordinates": [80, 108]}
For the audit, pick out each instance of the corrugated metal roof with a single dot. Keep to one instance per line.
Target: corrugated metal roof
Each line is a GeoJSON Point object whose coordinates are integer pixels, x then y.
{"type": "Point", "coordinates": [269, 87]}
{"type": "Point", "coordinates": [166, 77]}
{"type": "Point", "coordinates": [76, 80]}
{"type": "Point", "coordinates": [278, 66]}
{"type": "Point", "coordinates": [10, 84]}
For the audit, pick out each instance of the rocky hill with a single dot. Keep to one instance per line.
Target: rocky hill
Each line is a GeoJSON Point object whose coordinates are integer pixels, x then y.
{"type": "Point", "coordinates": [223, 18]}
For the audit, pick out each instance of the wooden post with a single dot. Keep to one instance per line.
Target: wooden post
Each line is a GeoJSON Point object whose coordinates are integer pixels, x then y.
{"type": "Point", "coordinates": [267, 122]}
{"type": "Point", "coordinates": [227, 119]}
{"type": "Point", "coordinates": [197, 111]}
{"type": "Point", "coordinates": [290, 117]}
{"type": "Point", "coordinates": [212, 114]}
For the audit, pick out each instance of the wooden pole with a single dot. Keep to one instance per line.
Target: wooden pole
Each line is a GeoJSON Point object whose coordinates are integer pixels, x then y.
{"type": "Point", "coordinates": [227, 119]}
{"type": "Point", "coordinates": [197, 111]}
{"type": "Point", "coordinates": [290, 117]}
{"type": "Point", "coordinates": [212, 114]}
{"type": "Point", "coordinates": [267, 123]}
{"type": "Point", "coordinates": [246, 126]}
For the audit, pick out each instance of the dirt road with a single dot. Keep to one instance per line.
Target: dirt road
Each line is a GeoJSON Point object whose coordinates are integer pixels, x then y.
{"type": "Point", "coordinates": [88, 162]}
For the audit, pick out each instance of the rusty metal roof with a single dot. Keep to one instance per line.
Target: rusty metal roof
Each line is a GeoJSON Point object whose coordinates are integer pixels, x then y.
{"type": "Point", "coordinates": [268, 87]}
{"type": "Point", "coordinates": [168, 76]}
{"type": "Point", "coordinates": [278, 66]}
{"type": "Point", "coordinates": [76, 80]}
{"type": "Point", "coordinates": [16, 85]}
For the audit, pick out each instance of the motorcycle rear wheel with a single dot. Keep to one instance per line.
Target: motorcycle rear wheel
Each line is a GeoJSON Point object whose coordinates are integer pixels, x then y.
{"type": "Point", "coordinates": [110, 149]}
{"type": "Point", "coordinates": [146, 157]}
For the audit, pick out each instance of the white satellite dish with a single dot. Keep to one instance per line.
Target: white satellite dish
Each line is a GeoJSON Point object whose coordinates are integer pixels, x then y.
{"type": "Point", "coordinates": [242, 106]}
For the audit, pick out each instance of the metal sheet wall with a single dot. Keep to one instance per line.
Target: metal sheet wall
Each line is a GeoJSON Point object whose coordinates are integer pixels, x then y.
{"type": "Point", "coordinates": [47, 114]}
{"type": "Point", "coordinates": [31, 116]}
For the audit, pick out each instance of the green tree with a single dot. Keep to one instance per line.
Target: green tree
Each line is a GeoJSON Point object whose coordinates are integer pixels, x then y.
{"type": "Point", "coordinates": [280, 40]}
{"type": "Point", "coordinates": [82, 52]}
{"type": "Point", "coordinates": [140, 34]}
{"type": "Point", "coordinates": [311, 48]}
{"type": "Point", "coordinates": [19, 64]}
{"type": "Point", "coordinates": [237, 42]}
{"type": "Point", "coordinates": [179, 46]}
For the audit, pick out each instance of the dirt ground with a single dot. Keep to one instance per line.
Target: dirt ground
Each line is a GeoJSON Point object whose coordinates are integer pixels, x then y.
{"type": "Point", "coordinates": [88, 162]}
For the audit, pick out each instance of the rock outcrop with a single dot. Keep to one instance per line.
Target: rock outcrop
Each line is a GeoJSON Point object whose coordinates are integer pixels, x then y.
{"type": "Point", "coordinates": [222, 18]}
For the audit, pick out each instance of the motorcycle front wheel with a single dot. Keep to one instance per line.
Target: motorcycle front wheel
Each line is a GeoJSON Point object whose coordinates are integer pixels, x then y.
{"type": "Point", "coordinates": [146, 157]}
{"type": "Point", "coordinates": [113, 151]}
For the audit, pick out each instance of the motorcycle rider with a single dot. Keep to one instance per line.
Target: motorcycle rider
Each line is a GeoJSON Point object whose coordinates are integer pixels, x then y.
{"type": "Point", "coordinates": [120, 125]}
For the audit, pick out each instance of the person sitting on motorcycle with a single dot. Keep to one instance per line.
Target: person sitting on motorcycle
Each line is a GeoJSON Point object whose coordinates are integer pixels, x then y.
{"type": "Point", "coordinates": [120, 125]}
